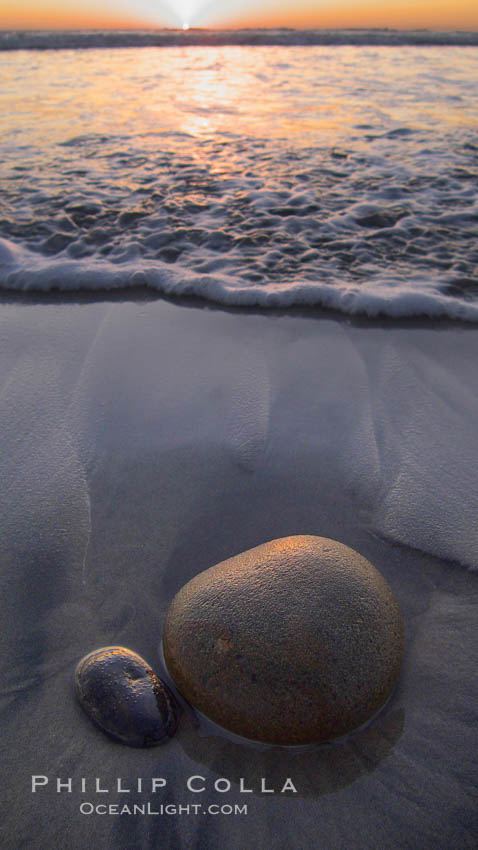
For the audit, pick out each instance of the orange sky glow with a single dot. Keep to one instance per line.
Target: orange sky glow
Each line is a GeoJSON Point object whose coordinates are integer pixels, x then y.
{"type": "Point", "coordinates": [126, 14]}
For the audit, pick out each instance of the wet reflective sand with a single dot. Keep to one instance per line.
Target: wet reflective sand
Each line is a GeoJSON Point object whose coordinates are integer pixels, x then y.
{"type": "Point", "coordinates": [143, 442]}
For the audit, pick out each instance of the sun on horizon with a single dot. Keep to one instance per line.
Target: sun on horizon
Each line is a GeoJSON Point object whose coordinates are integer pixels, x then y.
{"type": "Point", "coordinates": [236, 14]}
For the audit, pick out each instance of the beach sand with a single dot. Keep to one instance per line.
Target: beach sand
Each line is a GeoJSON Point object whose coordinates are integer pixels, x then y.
{"type": "Point", "coordinates": [144, 441]}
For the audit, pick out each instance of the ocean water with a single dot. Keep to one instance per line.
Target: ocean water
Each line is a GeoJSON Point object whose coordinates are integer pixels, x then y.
{"type": "Point", "coordinates": [343, 176]}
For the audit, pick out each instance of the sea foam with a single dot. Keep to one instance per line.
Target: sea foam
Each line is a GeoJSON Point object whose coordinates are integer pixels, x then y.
{"type": "Point", "coordinates": [383, 297]}
{"type": "Point", "coordinates": [340, 177]}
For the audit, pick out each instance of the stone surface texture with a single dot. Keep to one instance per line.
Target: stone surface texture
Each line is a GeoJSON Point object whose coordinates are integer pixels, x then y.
{"type": "Point", "coordinates": [296, 641]}
{"type": "Point", "coordinates": [120, 692]}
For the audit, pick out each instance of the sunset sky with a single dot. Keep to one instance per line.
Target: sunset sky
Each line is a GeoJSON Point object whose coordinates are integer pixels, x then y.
{"type": "Point", "coordinates": [439, 14]}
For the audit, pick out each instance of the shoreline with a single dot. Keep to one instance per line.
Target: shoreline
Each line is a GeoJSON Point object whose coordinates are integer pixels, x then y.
{"type": "Point", "coordinates": [144, 294]}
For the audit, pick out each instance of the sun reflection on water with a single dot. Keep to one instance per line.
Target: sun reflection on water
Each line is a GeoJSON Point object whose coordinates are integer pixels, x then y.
{"type": "Point", "coordinates": [300, 97]}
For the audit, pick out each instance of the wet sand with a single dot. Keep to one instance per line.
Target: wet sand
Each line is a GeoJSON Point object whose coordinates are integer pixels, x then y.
{"type": "Point", "coordinates": [144, 441]}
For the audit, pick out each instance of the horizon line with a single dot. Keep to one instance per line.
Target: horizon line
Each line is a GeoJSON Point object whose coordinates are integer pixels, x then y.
{"type": "Point", "coordinates": [190, 29]}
